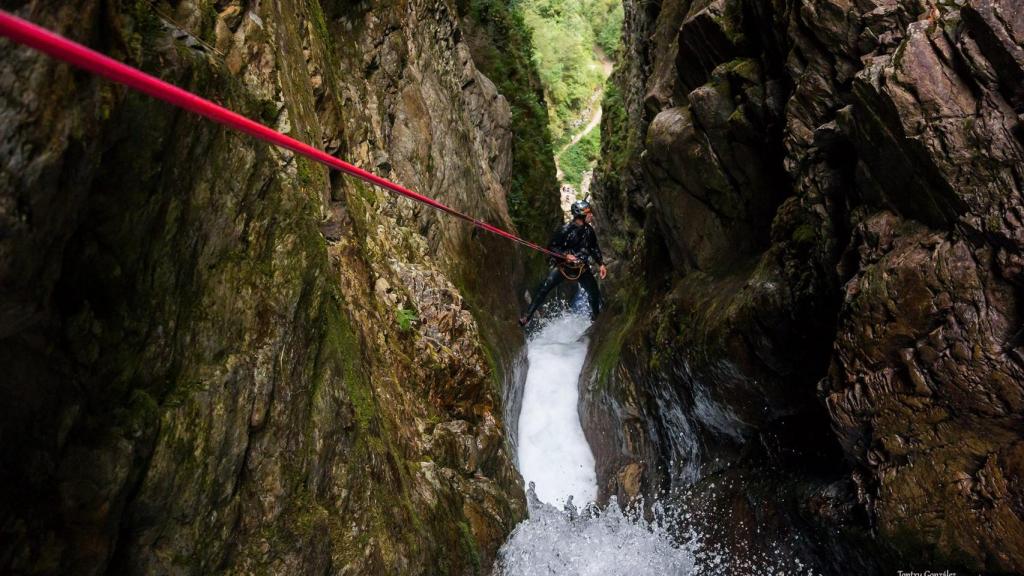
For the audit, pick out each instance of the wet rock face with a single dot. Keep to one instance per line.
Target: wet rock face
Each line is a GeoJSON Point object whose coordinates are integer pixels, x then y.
{"type": "Point", "coordinates": [217, 356]}
{"type": "Point", "coordinates": [831, 240]}
{"type": "Point", "coordinates": [926, 400]}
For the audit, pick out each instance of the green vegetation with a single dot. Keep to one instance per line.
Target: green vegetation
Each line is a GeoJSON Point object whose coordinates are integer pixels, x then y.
{"type": "Point", "coordinates": [502, 49]}
{"type": "Point", "coordinates": [580, 157]}
{"type": "Point", "coordinates": [405, 318]}
{"type": "Point", "coordinates": [469, 544]}
{"type": "Point", "coordinates": [607, 25]}
{"type": "Point", "coordinates": [567, 35]}
{"type": "Point", "coordinates": [608, 350]}
{"type": "Point", "coordinates": [543, 57]}
{"type": "Point", "coordinates": [804, 234]}
{"type": "Point", "coordinates": [618, 141]}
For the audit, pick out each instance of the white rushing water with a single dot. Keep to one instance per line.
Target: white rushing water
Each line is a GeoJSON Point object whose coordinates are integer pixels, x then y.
{"type": "Point", "coordinates": [553, 452]}
{"type": "Point", "coordinates": [605, 542]}
{"type": "Point", "coordinates": [557, 463]}
{"type": "Point", "coordinates": [566, 534]}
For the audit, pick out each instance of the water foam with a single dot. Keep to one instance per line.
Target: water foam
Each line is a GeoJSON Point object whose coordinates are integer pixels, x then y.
{"type": "Point", "coordinates": [596, 542]}
{"type": "Point", "coordinates": [553, 452]}
{"type": "Point", "coordinates": [558, 465]}
{"type": "Point", "coordinates": [556, 460]}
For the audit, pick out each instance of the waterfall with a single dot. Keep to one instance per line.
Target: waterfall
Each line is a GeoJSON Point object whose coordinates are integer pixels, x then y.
{"type": "Point", "coordinates": [566, 534]}
{"type": "Point", "coordinates": [594, 542]}
{"type": "Point", "coordinates": [553, 452]}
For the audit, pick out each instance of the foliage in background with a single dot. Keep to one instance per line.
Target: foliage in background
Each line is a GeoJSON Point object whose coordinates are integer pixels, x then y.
{"type": "Point", "coordinates": [607, 25]}
{"type": "Point", "coordinates": [580, 157]}
{"type": "Point", "coordinates": [617, 144]}
{"type": "Point", "coordinates": [565, 35]}
{"type": "Point", "coordinates": [503, 50]}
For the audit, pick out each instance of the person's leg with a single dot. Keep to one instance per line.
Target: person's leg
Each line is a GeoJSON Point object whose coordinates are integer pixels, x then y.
{"type": "Point", "coordinates": [589, 283]}
{"type": "Point", "coordinates": [554, 278]}
{"type": "Point", "coordinates": [579, 302]}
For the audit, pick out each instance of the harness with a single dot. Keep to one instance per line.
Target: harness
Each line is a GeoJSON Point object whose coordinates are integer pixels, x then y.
{"type": "Point", "coordinates": [578, 267]}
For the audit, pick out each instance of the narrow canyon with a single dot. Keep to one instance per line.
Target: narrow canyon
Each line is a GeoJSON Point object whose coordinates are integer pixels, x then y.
{"type": "Point", "coordinates": [219, 357]}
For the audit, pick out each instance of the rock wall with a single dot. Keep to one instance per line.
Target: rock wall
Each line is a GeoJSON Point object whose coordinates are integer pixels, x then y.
{"type": "Point", "coordinates": [815, 209]}
{"type": "Point", "coordinates": [219, 357]}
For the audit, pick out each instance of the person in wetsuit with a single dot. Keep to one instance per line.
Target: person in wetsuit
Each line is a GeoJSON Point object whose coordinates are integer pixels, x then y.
{"type": "Point", "coordinates": [578, 241]}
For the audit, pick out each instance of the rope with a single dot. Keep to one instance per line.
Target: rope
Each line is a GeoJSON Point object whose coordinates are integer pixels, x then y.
{"type": "Point", "coordinates": [578, 267]}
{"type": "Point", "coordinates": [60, 48]}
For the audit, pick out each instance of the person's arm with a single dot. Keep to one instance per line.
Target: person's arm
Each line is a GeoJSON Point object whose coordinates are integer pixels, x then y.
{"type": "Point", "coordinates": [557, 243]}
{"type": "Point", "coordinates": [595, 253]}
{"type": "Point", "coordinates": [594, 249]}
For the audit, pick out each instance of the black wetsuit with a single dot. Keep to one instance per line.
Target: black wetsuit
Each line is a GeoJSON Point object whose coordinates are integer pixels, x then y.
{"type": "Point", "coordinates": [580, 241]}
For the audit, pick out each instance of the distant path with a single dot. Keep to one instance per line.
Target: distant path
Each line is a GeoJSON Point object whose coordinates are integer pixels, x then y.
{"type": "Point", "coordinates": [595, 117]}
{"type": "Point", "coordinates": [595, 120]}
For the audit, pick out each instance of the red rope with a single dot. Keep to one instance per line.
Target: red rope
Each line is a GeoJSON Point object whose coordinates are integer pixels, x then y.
{"type": "Point", "coordinates": [56, 46]}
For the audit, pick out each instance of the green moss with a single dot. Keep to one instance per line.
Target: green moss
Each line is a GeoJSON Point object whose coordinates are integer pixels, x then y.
{"type": "Point", "coordinates": [341, 346]}
{"type": "Point", "coordinates": [617, 141]}
{"type": "Point", "coordinates": [144, 26]}
{"type": "Point", "coordinates": [488, 324]}
{"type": "Point", "coordinates": [804, 234]}
{"type": "Point", "coordinates": [368, 194]}
{"type": "Point", "coordinates": [310, 516]}
{"type": "Point", "coordinates": [738, 120]}
{"type": "Point", "coordinates": [497, 372]}
{"type": "Point", "coordinates": [310, 175]}
{"type": "Point", "coordinates": [378, 468]}
{"type": "Point", "coordinates": [746, 69]}
{"type": "Point", "coordinates": [268, 111]}
{"type": "Point", "coordinates": [316, 15]}
{"type": "Point", "coordinates": [469, 546]}
{"type": "Point", "coordinates": [609, 349]}
{"type": "Point", "coordinates": [140, 413]}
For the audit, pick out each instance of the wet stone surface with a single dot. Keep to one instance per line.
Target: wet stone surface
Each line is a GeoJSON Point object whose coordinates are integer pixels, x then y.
{"type": "Point", "coordinates": [819, 236]}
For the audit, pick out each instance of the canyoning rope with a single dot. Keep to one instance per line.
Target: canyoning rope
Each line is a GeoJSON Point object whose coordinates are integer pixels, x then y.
{"type": "Point", "coordinates": [61, 48]}
{"type": "Point", "coordinates": [567, 265]}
